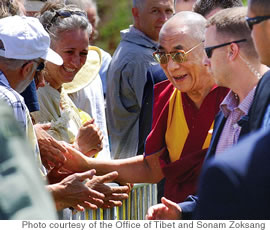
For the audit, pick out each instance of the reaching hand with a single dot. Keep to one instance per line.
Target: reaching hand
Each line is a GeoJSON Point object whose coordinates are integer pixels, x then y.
{"type": "Point", "coordinates": [89, 139]}
{"type": "Point", "coordinates": [167, 210]}
{"type": "Point", "coordinates": [51, 150]}
{"type": "Point", "coordinates": [113, 194]}
{"type": "Point", "coordinates": [72, 192]}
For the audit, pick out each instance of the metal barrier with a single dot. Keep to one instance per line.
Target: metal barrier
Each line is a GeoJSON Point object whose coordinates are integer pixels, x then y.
{"type": "Point", "coordinates": [135, 207]}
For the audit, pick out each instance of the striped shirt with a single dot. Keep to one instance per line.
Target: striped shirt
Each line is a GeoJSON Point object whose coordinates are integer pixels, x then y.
{"type": "Point", "coordinates": [14, 100]}
{"type": "Point", "coordinates": [22, 115]}
{"type": "Point", "coordinates": [233, 112]}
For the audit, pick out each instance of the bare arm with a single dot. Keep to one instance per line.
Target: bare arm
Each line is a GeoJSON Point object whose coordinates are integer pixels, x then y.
{"type": "Point", "coordinates": [138, 169]}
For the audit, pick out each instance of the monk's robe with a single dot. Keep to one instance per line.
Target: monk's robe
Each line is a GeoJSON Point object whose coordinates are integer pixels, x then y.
{"type": "Point", "coordinates": [183, 133]}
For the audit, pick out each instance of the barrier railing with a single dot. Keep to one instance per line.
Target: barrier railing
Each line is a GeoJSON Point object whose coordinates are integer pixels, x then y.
{"type": "Point", "coordinates": [135, 207]}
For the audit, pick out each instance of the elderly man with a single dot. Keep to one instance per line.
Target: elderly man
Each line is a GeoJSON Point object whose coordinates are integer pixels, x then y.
{"type": "Point", "coordinates": [177, 144]}
{"type": "Point", "coordinates": [227, 39]}
{"type": "Point", "coordinates": [127, 74]}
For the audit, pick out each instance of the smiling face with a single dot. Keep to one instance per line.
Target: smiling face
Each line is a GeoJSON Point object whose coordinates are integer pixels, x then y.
{"type": "Point", "coordinates": [152, 16]}
{"type": "Point", "coordinates": [186, 76]}
{"type": "Point", "coordinates": [72, 46]}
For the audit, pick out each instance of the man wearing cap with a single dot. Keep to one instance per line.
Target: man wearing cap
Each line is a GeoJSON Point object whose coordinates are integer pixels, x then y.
{"type": "Point", "coordinates": [24, 45]}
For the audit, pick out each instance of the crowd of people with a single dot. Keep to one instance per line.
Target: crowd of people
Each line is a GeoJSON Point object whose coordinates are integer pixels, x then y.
{"type": "Point", "coordinates": [183, 102]}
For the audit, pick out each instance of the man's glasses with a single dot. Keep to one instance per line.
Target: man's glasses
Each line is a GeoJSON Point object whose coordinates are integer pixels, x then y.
{"type": "Point", "coordinates": [256, 20]}
{"type": "Point", "coordinates": [179, 56]}
{"type": "Point", "coordinates": [65, 14]}
{"type": "Point", "coordinates": [209, 50]}
{"type": "Point", "coordinates": [40, 67]}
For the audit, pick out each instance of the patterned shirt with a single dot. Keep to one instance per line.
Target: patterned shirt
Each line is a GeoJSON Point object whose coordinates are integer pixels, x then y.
{"type": "Point", "coordinates": [233, 112]}
{"type": "Point", "coordinates": [21, 113]}
{"type": "Point", "coordinates": [14, 100]}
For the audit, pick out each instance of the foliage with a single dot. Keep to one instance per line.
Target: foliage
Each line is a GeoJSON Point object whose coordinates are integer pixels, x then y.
{"type": "Point", "coordinates": [115, 16]}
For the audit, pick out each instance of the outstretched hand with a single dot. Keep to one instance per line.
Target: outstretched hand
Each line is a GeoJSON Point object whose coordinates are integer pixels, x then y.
{"type": "Point", "coordinates": [73, 192]}
{"type": "Point", "coordinates": [51, 150]}
{"type": "Point", "coordinates": [167, 210]}
{"type": "Point", "coordinates": [113, 194]}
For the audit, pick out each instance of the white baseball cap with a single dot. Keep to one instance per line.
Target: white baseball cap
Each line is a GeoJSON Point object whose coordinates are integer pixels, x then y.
{"type": "Point", "coordinates": [25, 38]}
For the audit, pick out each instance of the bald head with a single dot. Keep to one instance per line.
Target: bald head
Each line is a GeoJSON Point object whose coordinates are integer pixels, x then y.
{"type": "Point", "coordinates": [186, 23]}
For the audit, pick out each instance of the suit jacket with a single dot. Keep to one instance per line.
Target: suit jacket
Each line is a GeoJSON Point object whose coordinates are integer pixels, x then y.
{"type": "Point", "coordinates": [189, 205]}
{"type": "Point", "coordinates": [260, 103]}
{"type": "Point", "coordinates": [249, 123]}
{"type": "Point", "coordinates": [243, 178]}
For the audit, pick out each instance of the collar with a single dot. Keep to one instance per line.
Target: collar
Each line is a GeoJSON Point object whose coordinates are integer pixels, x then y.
{"type": "Point", "coordinates": [231, 103]}
{"type": "Point", "coordinates": [3, 79]}
{"type": "Point", "coordinates": [138, 37]}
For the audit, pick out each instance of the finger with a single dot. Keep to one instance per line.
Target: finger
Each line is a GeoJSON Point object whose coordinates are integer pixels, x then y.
{"type": "Point", "coordinates": [119, 189]}
{"type": "Point", "coordinates": [149, 215]}
{"type": "Point", "coordinates": [46, 126]}
{"type": "Point", "coordinates": [111, 204]}
{"type": "Point", "coordinates": [116, 197]}
{"type": "Point", "coordinates": [89, 205]}
{"type": "Point", "coordinates": [58, 145]}
{"type": "Point", "coordinates": [93, 201]}
{"type": "Point", "coordinates": [78, 208]}
{"type": "Point", "coordinates": [89, 122]}
{"type": "Point", "coordinates": [109, 177]}
{"type": "Point", "coordinates": [168, 203]}
{"type": "Point", "coordinates": [86, 175]}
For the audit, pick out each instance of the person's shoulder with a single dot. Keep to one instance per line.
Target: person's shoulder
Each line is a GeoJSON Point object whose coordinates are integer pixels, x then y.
{"type": "Point", "coordinates": [10, 96]}
{"type": "Point", "coordinates": [240, 156]}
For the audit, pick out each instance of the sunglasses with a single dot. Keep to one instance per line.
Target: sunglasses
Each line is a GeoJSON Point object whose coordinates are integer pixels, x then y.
{"type": "Point", "coordinates": [40, 67]}
{"type": "Point", "coordinates": [209, 50]}
{"type": "Point", "coordinates": [179, 56]}
{"type": "Point", "coordinates": [65, 14]}
{"type": "Point", "coordinates": [256, 20]}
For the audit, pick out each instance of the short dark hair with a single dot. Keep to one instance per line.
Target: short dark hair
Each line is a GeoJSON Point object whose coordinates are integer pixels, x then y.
{"type": "Point", "coordinates": [204, 7]}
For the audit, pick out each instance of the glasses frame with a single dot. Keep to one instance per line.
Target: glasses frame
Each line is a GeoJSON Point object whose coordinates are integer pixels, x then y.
{"type": "Point", "coordinates": [209, 49]}
{"type": "Point", "coordinates": [255, 20]}
{"type": "Point", "coordinates": [173, 55]}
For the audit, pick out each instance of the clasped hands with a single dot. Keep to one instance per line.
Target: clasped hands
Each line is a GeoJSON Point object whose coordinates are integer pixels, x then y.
{"type": "Point", "coordinates": [79, 190]}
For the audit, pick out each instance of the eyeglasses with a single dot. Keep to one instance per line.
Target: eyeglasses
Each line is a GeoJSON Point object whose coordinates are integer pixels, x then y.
{"type": "Point", "coordinates": [40, 66]}
{"type": "Point", "coordinates": [65, 14]}
{"type": "Point", "coordinates": [256, 20]}
{"type": "Point", "coordinates": [209, 50]}
{"type": "Point", "coordinates": [179, 56]}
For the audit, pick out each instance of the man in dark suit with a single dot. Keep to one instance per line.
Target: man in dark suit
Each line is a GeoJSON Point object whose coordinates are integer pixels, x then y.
{"type": "Point", "coordinates": [230, 54]}
{"type": "Point", "coordinates": [259, 23]}
{"type": "Point", "coordinates": [236, 184]}
{"type": "Point", "coordinates": [229, 177]}
{"type": "Point", "coordinates": [243, 171]}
